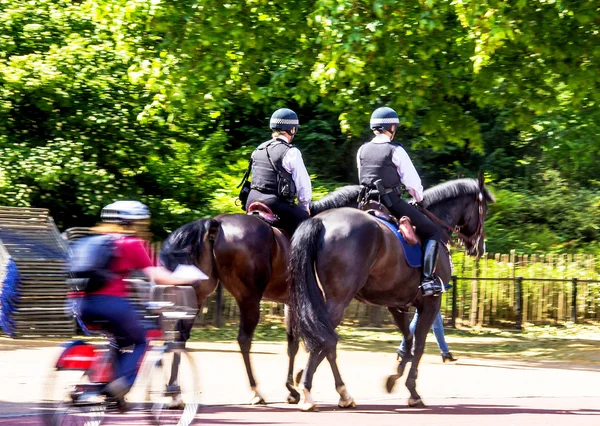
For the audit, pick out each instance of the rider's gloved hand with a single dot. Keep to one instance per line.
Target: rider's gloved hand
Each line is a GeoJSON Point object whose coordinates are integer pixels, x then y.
{"type": "Point", "coordinates": [414, 203]}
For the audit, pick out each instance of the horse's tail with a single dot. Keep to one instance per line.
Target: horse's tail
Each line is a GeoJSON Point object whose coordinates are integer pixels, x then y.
{"type": "Point", "coordinates": [307, 301]}
{"type": "Point", "coordinates": [195, 238]}
{"type": "Point", "coordinates": [208, 234]}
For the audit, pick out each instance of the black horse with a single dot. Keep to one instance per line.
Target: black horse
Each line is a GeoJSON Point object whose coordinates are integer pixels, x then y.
{"type": "Point", "coordinates": [345, 253]}
{"type": "Point", "coordinates": [249, 258]}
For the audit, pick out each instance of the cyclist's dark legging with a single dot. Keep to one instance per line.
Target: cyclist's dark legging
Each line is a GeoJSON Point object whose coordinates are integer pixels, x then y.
{"type": "Point", "coordinates": [122, 322]}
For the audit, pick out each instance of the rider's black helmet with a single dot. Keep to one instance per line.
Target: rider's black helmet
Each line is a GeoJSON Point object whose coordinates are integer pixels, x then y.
{"type": "Point", "coordinates": [384, 118]}
{"type": "Point", "coordinates": [284, 119]}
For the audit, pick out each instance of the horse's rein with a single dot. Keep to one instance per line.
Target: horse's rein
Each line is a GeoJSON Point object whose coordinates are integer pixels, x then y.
{"type": "Point", "coordinates": [472, 239]}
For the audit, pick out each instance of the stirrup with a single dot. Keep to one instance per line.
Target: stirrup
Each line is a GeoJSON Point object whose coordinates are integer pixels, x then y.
{"type": "Point", "coordinates": [431, 287]}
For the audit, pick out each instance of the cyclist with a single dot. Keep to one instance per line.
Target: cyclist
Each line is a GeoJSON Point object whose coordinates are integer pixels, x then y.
{"type": "Point", "coordinates": [109, 305]}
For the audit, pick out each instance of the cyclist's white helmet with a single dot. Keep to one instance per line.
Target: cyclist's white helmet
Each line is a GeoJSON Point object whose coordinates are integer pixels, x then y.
{"type": "Point", "coordinates": [125, 211]}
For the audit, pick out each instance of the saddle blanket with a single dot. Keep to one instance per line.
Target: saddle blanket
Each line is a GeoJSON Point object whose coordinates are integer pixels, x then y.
{"type": "Point", "coordinates": [413, 254]}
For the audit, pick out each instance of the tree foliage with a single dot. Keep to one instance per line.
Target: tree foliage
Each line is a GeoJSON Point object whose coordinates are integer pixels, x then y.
{"type": "Point", "coordinates": [163, 100]}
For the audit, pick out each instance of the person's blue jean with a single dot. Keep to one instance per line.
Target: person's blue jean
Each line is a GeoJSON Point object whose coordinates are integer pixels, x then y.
{"type": "Point", "coordinates": [438, 331]}
{"type": "Point", "coordinates": [120, 319]}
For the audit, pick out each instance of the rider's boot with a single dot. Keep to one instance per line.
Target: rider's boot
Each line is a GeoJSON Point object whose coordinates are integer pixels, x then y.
{"type": "Point", "coordinates": [430, 286]}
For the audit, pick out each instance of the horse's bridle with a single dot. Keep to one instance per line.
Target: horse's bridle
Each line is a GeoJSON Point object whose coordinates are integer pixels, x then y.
{"type": "Point", "coordinates": [473, 239]}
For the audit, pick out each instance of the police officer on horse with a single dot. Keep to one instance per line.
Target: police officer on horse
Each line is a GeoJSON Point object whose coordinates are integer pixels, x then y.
{"type": "Point", "coordinates": [382, 166]}
{"type": "Point", "coordinates": [279, 174]}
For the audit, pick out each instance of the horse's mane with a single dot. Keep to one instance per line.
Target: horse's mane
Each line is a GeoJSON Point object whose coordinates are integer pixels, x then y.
{"type": "Point", "coordinates": [345, 196]}
{"type": "Point", "coordinates": [452, 189]}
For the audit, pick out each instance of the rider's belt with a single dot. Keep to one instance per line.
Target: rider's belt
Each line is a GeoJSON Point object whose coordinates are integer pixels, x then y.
{"type": "Point", "coordinates": [395, 189]}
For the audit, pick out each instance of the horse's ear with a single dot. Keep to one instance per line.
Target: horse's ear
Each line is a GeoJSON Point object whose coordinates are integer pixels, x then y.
{"type": "Point", "coordinates": [481, 179]}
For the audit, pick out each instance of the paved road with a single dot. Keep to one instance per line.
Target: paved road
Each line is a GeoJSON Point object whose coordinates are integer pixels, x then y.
{"type": "Point", "coordinates": [468, 392]}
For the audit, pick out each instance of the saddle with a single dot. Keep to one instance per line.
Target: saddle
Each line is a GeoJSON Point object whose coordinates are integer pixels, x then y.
{"type": "Point", "coordinates": [263, 212]}
{"type": "Point", "coordinates": [404, 225]}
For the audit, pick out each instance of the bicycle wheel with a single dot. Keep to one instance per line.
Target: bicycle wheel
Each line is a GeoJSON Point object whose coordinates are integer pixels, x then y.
{"type": "Point", "coordinates": [70, 399]}
{"type": "Point", "coordinates": [173, 387]}
{"type": "Point", "coordinates": [63, 405]}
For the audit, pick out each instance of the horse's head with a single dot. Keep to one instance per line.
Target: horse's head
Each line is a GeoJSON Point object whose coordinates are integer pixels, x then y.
{"type": "Point", "coordinates": [463, 205]}
{"type": "Point", "coordinates": [185, 245]}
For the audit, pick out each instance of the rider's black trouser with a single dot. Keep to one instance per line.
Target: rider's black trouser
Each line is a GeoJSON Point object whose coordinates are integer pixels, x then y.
{"type": "Point", "coordinates": [290, 215]}
{"type": "Point", "coordinates": [430, 236]}
{"type": "Point", "coordinates": [426, 229]}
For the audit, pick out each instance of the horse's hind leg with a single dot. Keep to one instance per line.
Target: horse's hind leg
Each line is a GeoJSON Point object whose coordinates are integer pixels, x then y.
{"type": "Point", "coordinates": [431, 306]}
{"type": "Point", "coordinates": [306, 401]}
{"type": "Point", "coordinates": [401, 320]}
{"type": "Point", "coordinates": [249, 316]}
{"type": "Point", "coordinates": [346, 401]}
{"type": "Point", "coordinates": [293, 345]}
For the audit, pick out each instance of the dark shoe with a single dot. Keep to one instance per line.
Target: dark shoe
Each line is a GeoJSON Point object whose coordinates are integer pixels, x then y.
{"type": "Point", "coordinates": [430, 286]}
{"type": "Point", "coordinates": [448, 357]}
{"type": "Point", "coordinates": [400, 353]}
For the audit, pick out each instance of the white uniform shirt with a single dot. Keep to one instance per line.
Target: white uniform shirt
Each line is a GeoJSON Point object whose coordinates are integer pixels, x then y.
{"type": "Point", "coordinates": [406, 170]}
{"type": "Point", "coordinates": [293, 164]}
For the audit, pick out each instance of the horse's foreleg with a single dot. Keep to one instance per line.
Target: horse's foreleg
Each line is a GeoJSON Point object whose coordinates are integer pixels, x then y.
{"type": "Point", "coordinates": [306, 401]}
{"type": "Point", "coordinates": [183, 327]}
{"type": "Point", "coordinates": [249, 316]}
{"type": "Point", "coordinates": [293, 345]}
{"type": "Point", "coordinates": [401, 320]}
{"type": "Point", "coordinates": [427, 314]}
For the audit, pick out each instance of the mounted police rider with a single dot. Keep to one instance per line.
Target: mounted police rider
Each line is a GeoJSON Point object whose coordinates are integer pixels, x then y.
{"type": "Point", "coordinates": [385, 161]}
{"type": "Point", "coordinates": [279, 174]}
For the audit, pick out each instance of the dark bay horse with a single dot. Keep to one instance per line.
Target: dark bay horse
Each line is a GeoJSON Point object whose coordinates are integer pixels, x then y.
{"type": "Point", "coordinates": [250, 258]}
{"type": "Point", "coordinates": [344, 254]}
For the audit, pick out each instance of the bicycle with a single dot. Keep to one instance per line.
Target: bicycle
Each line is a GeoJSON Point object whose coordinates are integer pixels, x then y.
{"type": "Point", "coordinates": [87, 368]}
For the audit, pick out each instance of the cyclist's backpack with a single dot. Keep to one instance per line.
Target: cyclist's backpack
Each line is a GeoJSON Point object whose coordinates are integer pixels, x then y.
{"type": "Point", "coordinates": [90, 262]}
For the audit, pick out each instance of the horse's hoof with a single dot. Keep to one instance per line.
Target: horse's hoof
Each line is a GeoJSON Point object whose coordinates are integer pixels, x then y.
{"type": "Point", "coordinates": [257, 400]}
{"type": "Point", "coordinates": [298, 378]}
{"type": "Point", "coordinates": [390, 383]}
{"type": "Point", "coordinates": [293, 399]}
{"type": "Point", "coordinates": [306, 402]}
{"type": "Point", "coordinates": [176, 403]}
{"type": "Point", "coordinates": [349, 403]}
{"type": "Point", "coordinates": [308, 407]}
{"type": "Point", "coordinates": [416, 403]}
